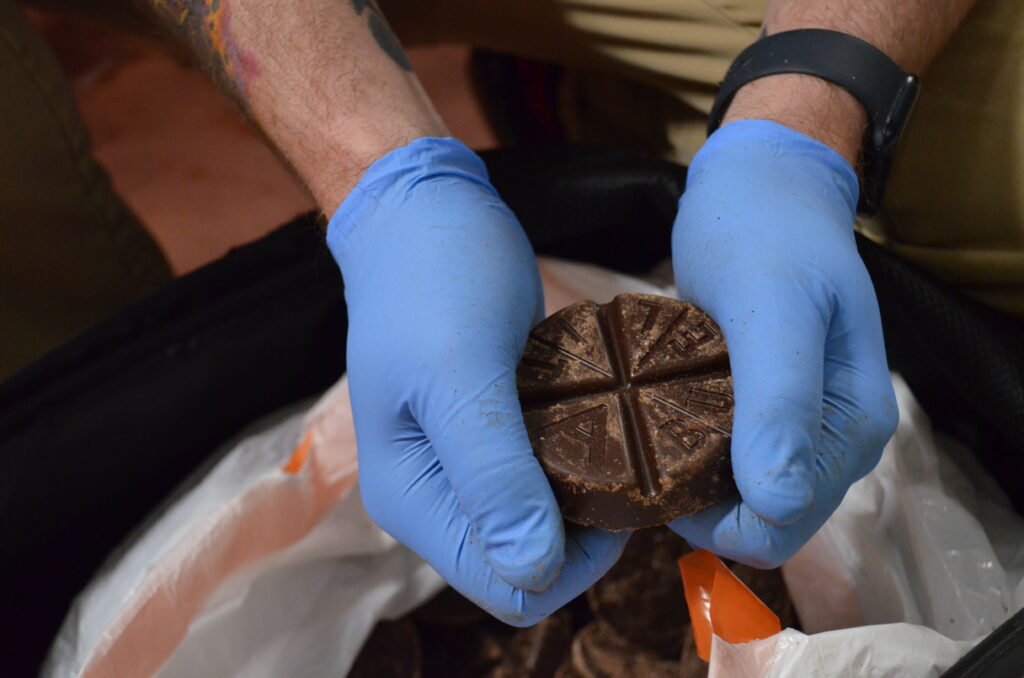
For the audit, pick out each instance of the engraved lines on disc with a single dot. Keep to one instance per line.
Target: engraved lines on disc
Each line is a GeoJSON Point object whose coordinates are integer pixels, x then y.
{"type": "Point", "coordinates": [567, 353]}
{"type": "Point", "coordinates": [669, 338]}
{"type": "Point", "coordinates": [687, 413]}
{"type": "Point", "coordinates": [641, 457]}
{"type": "Point", "coordinates": [589, 427]}
{"type": "Point", "coordinates": [592, 429]}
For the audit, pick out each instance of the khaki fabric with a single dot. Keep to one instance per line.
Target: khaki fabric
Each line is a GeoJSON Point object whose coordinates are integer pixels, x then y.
{"type": "Point", "coordinates": [640, 70]}
{"type": "Point", "coordinates": [956, 198]}
{"type": "Point", "coordinates": [71, 252]}
{"type": "Point", "coordinates": [643, 73]}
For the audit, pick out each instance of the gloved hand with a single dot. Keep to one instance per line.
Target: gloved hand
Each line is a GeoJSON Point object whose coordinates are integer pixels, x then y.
{"type": "Point", "coordinates": [764, 243]}
{"type": "Point", "coordinates": [442, 290]}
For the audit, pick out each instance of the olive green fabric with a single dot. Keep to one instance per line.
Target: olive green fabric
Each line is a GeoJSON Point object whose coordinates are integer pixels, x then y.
{"type": "Point", "coordinates": [71, 252]}
{"type": "Point", "coordinates": [644, 72]}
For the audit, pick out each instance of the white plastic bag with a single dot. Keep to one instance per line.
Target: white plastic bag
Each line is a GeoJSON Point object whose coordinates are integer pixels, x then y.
{"type": "Point", "coordinates": [923, 558]}
{"type": "Point", "coordinates": [268, 566]}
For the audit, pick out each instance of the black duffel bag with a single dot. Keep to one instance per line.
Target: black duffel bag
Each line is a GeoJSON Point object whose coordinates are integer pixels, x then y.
{"type": "Point", "coordinates": [98, 433]}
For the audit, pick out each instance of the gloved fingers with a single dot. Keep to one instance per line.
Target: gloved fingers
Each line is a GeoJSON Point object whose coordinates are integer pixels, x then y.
{"type": "Point", "coordinates": [440, 360]}
{"type": "Point", "coordinates": [732, 530]}
{"type": "Point", "coordinates": [763, 242]}
{"type": "Point", "coordinates": [860, 410]}
{"type": "Point", "coordinates": [589, 554]}
{"type": "Point", "coordinates": [477, 431]}
{"type": "Point", "coordinates": [775, 330]}
{"type": "Point", "coordinates": [415, 504]}
{"type": "Point", "coordinates": [858, 417]}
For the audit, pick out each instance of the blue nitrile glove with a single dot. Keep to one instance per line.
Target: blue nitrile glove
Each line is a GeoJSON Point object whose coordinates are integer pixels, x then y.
{"type": "Point", "coordinates": [442, 290]}
{"type": "Point", "coordinates": [764, 243]}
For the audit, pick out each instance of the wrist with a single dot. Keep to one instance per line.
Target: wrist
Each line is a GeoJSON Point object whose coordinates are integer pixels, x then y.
{"type": "Point", "coordinates": [333, 172]}
{"type": "Point", "coordinates": [767, 169]}
{"type": "Point", "coordinates": [807, 104]}
{"type": "Point", "coordinates": [388, 193]}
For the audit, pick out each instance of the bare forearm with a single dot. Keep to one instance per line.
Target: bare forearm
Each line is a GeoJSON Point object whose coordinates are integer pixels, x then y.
{"type": "Point", "coordinates": [911, 32]}
{"type": "Point", "coordinates": [325, 80]}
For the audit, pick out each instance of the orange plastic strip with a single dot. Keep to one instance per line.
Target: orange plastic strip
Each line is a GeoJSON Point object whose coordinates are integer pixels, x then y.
{"type": "Point", "coordinates": [722, 605]}
{"type": "Point", "coordinates": [298, 458]}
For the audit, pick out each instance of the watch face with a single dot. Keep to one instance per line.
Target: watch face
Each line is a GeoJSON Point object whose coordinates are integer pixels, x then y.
{"type": "Point", "coordinates": [883, 139]}
{"type": "Point", "coordinates": [889, 132]}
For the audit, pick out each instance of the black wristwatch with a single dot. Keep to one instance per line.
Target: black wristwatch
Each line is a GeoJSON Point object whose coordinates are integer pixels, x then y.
{"type": "Point", "coordinates": [887, 92]}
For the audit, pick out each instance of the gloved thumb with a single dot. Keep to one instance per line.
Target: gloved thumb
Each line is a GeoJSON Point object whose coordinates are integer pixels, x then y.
{"type": "Point", "coordinates": [481, 440]}
{"type": "Point", "coordinates": [776, 351]}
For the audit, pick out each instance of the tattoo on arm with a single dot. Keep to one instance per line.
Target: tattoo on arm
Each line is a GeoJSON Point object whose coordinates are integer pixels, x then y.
{"type": "Point", "coordinates": [206, 24]}
{"type": "Point", "coordinates": [383, 34]}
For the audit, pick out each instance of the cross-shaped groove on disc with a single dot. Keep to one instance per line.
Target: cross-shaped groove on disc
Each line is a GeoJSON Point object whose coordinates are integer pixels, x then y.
{"type": "Point", "coordinates": [633, 397]}
{"type": "Point", "coordinates": [644, 465]}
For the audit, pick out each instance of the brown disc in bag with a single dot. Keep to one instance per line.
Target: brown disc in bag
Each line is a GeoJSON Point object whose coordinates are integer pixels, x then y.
{"type": "Point", "coordinates": [629, 410]}
{"type": "Point", "coordinates": [538, 651]}
{"type": "Point", "coordinates": [391, 651]}
{"type": "Point", "coordinates": [641, 597]}
{"type": "Point", "coordinates": [598, 652]}
{"type": "Point", "coordinates": [449, 608]}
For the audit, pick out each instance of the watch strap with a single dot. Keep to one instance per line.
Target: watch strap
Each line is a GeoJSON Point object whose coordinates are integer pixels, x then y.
{"type": "Point", "coordinates": [885, 90]}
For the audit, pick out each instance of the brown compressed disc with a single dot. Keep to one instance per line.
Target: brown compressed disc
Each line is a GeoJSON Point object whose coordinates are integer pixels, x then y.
{"type": "Point", "coordinates": [391, 651]}
{"type": "Point", "coordinates": [769, 586]}
{"type": "Point", "coordinates": [463, 651]}
{"type": "Point", "coordinates": [449, 607]}
{"type": "Point", "coordinates": [598, 652]}
{"type": "Point", "coordinates": [629, 410]}
{"type": "Point", "coordinates": [641, 597]}
{"type": "Point", "coordinates": [690, 663]}
{"type": "Point", "coordinates": [537, 651]}
{"type": "Point", "coordinates": [566, 670]}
